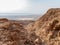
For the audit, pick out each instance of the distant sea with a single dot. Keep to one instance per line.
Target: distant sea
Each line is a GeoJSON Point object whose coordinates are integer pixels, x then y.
{"type": "Point", "coordinates": [16, 16]}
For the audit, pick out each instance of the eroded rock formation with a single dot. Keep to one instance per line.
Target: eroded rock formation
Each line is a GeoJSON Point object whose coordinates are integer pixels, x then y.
{"type": "Point", "coordinates": [47, 28]}
{"type": "Point", "coordinates": [12, 33]}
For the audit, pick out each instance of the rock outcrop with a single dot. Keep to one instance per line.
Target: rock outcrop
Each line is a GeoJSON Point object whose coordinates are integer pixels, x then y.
{"type": "Point", "coordinates": [47, 28]}
{"type": "Point", "coordinates": [12, 33]}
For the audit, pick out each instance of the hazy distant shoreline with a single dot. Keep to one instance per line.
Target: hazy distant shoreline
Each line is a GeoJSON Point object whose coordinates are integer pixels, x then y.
{"type": "Point", "coordinates": [21, 17]}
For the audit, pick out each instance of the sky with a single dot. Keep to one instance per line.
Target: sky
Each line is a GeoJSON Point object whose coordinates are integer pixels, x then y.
{"type": "Point", "coordinates": [37, 7]}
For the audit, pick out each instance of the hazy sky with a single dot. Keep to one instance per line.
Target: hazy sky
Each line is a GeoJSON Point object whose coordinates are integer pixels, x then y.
{"type": "Point", "coordinates": [28, 6]}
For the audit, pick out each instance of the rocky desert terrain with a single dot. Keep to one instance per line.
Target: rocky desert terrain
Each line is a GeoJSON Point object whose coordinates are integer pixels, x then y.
{"type": "Point", "coordinates": [47, 28]}
{"type": "Point", "coordinates": [43, 31]}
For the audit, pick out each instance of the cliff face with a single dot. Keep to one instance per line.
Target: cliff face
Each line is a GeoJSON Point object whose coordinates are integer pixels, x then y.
{"type": "Point", "coordinates": [47, 28]}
